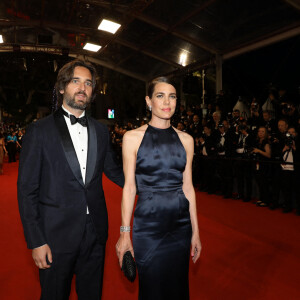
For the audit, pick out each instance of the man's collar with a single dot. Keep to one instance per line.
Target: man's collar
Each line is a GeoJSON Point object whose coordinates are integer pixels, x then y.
{"type": "Point", "coordinates": [63, 107]}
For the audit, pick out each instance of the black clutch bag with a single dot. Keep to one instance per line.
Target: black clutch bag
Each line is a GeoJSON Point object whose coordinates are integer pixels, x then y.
{"type": "Point", "coordinates": [128, 266]}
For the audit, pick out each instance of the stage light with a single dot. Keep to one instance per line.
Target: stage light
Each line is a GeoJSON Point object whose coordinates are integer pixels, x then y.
{"type": "Point", "coordinates": [109, 26]}
{"type": "Point", "coordinates": [182, 58]}
{"type": "Point", "coordinates": [92, 47]}
{"type": "Point", "coordinates": [1, 39]}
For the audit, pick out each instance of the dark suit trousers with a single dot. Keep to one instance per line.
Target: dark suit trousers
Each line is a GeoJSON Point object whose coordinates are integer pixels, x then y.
{"type": "Point", "coordinates": [86, 263]}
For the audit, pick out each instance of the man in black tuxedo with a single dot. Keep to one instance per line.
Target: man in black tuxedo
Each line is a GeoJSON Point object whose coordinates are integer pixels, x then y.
{"type": "Point", "coordinates": [60, 193]}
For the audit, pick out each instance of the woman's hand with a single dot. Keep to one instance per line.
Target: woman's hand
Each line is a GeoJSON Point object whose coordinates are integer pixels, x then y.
{"type": "Point", "coordinates": [255, 150]}
{"type": "Point", "coordinates": [123, 245]}
{"type": "Point", "coordinates": [196, 247]}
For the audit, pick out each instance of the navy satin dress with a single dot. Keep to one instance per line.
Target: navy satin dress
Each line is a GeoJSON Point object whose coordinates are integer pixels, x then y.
{"type": "Point", "coordinates": [162, 226]}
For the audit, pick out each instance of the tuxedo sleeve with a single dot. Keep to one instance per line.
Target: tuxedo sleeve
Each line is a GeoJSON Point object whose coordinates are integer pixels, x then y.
{"type": "Point", "coordinates": [112, 168]}
{"type": "Point", "coordinates": [29, 186]}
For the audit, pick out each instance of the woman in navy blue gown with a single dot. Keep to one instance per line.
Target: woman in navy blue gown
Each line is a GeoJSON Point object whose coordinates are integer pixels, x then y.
{"type": "Point", "coordinates": [157, 163]}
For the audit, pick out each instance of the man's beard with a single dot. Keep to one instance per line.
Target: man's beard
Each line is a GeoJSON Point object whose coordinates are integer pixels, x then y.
{"type": "Point", "coordinates": [70, 101]}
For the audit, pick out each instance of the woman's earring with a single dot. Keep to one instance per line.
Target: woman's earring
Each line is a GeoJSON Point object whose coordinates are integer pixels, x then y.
{"type": "Point", "coordinates": [150, 108]}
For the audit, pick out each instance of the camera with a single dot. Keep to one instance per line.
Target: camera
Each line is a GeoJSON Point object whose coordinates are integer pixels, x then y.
{"type": "Point", "coordinates": [289, 139]}
{"type": "Point", "coordinates": [249, 154]}
{"type": "Point", "coordinates": [220, 148]}
{"type": "Point", "coordinates": [286, 107]}
{"type": "Point", "coordinates": [229, 116]}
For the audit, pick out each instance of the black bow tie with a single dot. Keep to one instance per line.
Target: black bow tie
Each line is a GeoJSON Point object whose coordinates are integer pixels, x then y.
{"type": "Point", "coordinates": [82, 121]}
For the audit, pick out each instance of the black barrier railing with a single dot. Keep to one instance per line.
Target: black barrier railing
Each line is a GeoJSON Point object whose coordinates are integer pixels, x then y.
{"type": "Point", "coordinates": [267, 161]}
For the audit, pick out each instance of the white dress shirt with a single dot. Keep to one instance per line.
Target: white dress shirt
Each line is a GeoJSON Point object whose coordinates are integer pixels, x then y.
{"type": "Point", "coordinates": [79, 136]}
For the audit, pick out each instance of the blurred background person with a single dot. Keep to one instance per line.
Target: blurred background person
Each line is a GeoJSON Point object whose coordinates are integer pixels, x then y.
{"type": "Point", "coordinates": [2, 152]}
{"type": "Point", "coordinates": [262, 153]}
{"type": "Point", "coordinates": [12, 144]}
{"type": "Point", "coordinates": [288, 181]}
{"type": "Point", "coordinates": [277, 144]}
{"type": "Point", "coordinates": [243, 166]}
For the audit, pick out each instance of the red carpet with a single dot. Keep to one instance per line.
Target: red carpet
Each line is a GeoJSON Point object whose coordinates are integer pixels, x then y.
{"type": "Point", "coordinates": [248, 252]}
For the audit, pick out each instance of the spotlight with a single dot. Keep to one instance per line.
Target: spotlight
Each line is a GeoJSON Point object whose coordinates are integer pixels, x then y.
{"type": "Point", "coordinates": [92, 47]}
{"type": "Point", "coordinates": [109, 26]}
{"type": "Point", "coordinates": [182, 58]}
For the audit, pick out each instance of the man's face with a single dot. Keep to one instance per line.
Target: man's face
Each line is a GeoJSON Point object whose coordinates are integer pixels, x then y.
{"type": "Point", "coordinates": [292, 132]}
{"type": "Point", "coordinates": [180, 126]}
{"type": "Point", "coordinates": [222, 129]}
{"type": "Point", "coordinates": [282, 126]}
{"type": "Point", "coordinates": [195, 119]}
{"type": "Point", "coordinates": [236, 114]}
{"type": "Point", "coordinates": [271, 96]}
{"type": "Point", "coordinates": [207, 130]}
{"type": "Point", "coordinates": [266, 116]}
{"type": "Point", "coordinates": [216, 117]}
{"type": "Point", "coordinates": [78, 92]}
{"type": "Point", "coordinates": [226, 124]}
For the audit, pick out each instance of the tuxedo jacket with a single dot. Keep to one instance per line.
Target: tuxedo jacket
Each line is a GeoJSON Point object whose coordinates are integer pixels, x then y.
{"type": "Point", "coordinates": [52, 195]}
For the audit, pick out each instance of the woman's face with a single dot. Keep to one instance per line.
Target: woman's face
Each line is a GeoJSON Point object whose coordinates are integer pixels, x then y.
{"type": "Point", "coordinates": [162, 101]}
{"type": "Point", "coordinates": [262, 133]}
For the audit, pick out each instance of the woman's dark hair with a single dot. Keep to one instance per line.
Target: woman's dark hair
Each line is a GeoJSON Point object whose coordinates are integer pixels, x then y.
{"type": "Point", "coordinates": [154, 82]}
{"type": "Point", "coordinates": [66, 74]}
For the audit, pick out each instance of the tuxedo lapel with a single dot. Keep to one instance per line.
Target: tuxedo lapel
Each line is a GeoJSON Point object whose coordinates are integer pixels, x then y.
{"type": "Point", "coordinates": [67, 144]}
{"type": "Point", "coordinates": [92, 152]}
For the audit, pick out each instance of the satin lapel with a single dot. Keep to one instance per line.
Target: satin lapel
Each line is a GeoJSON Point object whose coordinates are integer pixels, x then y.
{"type": "Point", "coordinates": [67, 144]}
{"type": "Point", "coordinates": [92, 152]}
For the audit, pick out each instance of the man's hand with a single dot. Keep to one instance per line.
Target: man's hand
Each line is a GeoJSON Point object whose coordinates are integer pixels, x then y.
{"type": "Point", "coordinates": [39, 256]}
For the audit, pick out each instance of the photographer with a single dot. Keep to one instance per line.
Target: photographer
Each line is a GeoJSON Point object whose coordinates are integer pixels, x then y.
{"type": "Point", "coordinates": [269, 123]}
{"type": "Point", "coordinates": [195, 128]}
{"type": "Point", "coordinates": [277, 144]}
{"type": "Point", "coordinates": [254, 121]}
{"type": "Point", "coordinates": [224, 151]}
{"type": "Point", "coordinates": [289, 112]}
{"type": "Point", "coordinates": [207, 174]}
{"type": "Point", "coordinates": [289, 171]}
{"type": "Point", "coordinates": [216, 120]}
{"type": "Point", "coordinates": [243, 164]}
{"type": "Point", "coordinates": [236, 115]}
{"type": "Point", "coordinates": [261, 153]}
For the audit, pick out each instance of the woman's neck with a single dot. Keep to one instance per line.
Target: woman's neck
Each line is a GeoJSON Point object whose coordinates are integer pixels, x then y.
{"type": "Point", "coordinates": [160, 123]}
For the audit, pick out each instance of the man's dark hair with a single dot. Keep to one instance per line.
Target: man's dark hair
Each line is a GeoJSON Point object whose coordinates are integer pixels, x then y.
{"type": "Point", "coordinates": [284, 120]}
{"type": "Point", "coordinates": [66, 74]}
{"type": "Point", "coordinates": [154, 82]}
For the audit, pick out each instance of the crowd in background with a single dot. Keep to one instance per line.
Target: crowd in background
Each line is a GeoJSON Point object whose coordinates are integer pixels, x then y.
{"type": "Point", "coordinates": [11, 134]}
{"type": "Point", "coordinates": [242, 151]}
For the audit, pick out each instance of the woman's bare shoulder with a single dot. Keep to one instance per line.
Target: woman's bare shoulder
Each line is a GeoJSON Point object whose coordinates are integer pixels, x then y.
{"type": "Point", "coordinates": [135, 133]}
{"type": "Point", "coordinates": [133, 138]}
{"type": "Point", "coordinates": [184, 137]}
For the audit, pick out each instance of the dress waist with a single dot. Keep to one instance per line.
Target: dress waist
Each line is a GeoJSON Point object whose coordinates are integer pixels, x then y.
{"type": "Point", "coordinates": [151, 188]}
